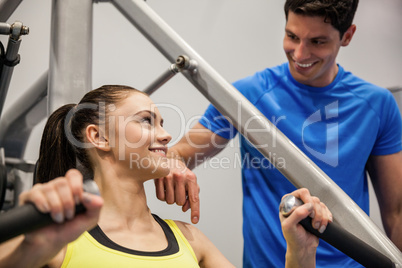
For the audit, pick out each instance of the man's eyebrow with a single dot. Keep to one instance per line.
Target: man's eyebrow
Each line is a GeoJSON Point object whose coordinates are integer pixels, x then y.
{"type": "Point", "coordinates": [289, 31]}
{"type": "Point", "coordinates": [319, 37]}
{"type": "Point", "coordinates": [312, 38]}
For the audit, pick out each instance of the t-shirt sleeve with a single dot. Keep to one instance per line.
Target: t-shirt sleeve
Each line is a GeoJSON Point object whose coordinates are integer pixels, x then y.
{"type": "Point", "coordinates": [217, 123]}
{"type": "Point", "coordinates": [251, 88]}
{"type": "Point", "coordinates": [390, 132]}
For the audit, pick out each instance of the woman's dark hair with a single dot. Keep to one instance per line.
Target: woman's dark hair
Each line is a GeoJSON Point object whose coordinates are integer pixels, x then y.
{"type": "Point", "coordinates": [61, 145]}
{"type": "Point", "coordinates": [339, 13]}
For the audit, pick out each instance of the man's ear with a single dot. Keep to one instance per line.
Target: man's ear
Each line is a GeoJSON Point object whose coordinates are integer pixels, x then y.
{"type": "Point", "coordinates": [97, 137]}
{"type": "Point", "coordinates": [348, 35]}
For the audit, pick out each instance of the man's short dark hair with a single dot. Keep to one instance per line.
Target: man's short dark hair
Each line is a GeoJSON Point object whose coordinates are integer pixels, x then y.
{"type": "Point", "coordinates": [339, 13]}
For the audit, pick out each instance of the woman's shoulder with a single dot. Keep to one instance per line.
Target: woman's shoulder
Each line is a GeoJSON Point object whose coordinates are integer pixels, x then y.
{"type": "Point", "coordinates": [190, 232]}
{"type": "Point", "coordinates": [58, 260]}
{"type": "Point", "coordinates": [207, 253]}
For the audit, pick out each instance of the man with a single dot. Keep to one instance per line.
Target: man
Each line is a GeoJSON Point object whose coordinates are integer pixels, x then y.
{"type": "Point", "coordinates": [359, 130]}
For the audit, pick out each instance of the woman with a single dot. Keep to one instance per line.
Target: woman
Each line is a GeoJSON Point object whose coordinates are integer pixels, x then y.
{"type": "Point", "coordinates": [115, 135]}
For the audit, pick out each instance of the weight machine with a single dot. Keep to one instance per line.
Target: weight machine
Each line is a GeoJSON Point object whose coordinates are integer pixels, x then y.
{"type": "Point", "coordinates": [69, 77]}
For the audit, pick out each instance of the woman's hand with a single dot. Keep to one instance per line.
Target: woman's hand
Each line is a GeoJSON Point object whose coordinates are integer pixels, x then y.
{"type": "Point", "coordinates": [57, 197]}
{"type": "Point", "coordinates": [302, 245]}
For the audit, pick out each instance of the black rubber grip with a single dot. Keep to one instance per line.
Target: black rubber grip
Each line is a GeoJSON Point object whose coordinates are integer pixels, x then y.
{"type": "Point", "coordinates": [27, 218]}
{"type": "Point", "coordinates": [350, 245]}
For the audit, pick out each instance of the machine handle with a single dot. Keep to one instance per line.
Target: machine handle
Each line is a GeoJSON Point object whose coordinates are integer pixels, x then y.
{"type": "Point", "coordinates": [339, 238]}
{"type": "Point", "coordinates": [27, 218]}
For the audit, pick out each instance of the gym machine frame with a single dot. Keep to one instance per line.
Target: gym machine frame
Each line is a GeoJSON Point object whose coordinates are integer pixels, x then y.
{"type": "Point", "coordinates": [70, 76]}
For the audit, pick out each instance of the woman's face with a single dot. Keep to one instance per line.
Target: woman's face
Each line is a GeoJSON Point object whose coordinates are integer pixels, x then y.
{"type": "Point", "coordinates": [140, 141]}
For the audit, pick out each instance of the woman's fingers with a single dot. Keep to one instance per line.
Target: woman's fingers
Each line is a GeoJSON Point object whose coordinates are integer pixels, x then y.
{"type": "Point", "coordinates": [75, 180]}
{"type": "Point", "coordinates": [57, 197]}
{"type": "Point", "coordinates": [37, 197]}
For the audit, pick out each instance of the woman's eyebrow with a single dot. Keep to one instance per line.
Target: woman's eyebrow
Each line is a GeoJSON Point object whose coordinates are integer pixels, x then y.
{"type": "Point", "coordinates": [151, 113]}
{"type": "Point", "coordinates": [146, 111]}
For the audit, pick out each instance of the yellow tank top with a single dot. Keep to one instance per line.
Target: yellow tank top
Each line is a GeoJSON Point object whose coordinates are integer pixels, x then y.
{"type": "Point", "coordinates": [87, 251]}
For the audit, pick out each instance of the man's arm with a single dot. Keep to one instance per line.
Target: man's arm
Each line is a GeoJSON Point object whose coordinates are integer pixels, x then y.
{"type": "Point", "coordinates": [180, 186]}
{"type": "Point", "coordinates": [386, 175]}
{"type": "Point", "coordinates": [198, 144]}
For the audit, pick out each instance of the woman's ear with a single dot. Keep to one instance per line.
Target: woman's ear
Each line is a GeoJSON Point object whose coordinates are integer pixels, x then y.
{"type": "Point", "coordinates": [97, 137]}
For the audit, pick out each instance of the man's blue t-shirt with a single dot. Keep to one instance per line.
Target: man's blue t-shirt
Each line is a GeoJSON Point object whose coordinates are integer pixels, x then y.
{"type": "Point", "coordinates": [338, 127]}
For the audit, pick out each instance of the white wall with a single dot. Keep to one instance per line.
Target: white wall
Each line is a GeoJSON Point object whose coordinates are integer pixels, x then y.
{"type": "Point", "coordinates": [237, 38]}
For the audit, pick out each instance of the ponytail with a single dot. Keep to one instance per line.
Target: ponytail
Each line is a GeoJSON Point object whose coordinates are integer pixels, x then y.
{"type": "Point", "coordinates": [56, 154]}
{"type": "Point", "coordinates": [59, 152]}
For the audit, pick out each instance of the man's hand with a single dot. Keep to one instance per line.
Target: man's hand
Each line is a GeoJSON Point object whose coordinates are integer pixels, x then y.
{"type": "Point", "coordinates": [180, 187]}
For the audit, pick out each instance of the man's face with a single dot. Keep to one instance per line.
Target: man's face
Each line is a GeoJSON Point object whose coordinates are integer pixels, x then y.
{"type": "Point", "coordinates": [311, 46]}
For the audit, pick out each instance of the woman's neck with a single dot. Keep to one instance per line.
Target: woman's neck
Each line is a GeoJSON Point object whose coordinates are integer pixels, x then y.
{"type": "Point", "coordinates": [125, 203]}
{"type": "Point", "coordinates": [125, 217]}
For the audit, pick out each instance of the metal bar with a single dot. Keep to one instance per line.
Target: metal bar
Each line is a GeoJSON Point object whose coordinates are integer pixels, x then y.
{"type": "Point", "coordinates": [7, 71]}
{"type": "Point", "coordinates": [300, 170]}
{"type": "Point", "coordinates": [182, 63]}
{"type": "Point", "coordinates": [397, 93]}
{"type": "Point", "coordinates": [162, 79]}
{"type": "Point", "coordinates": [7, 7]}
{"type": "Point", "coordinates": [21, 164]}
{"type": "Point", "coordinates": [70, 73]}
{"type": "Point", "coordinates": [11, 58]}
{"type": "Point", "coordinates": [5, 28]}
{"type": "Point", "coordinates": [395, 89]}
{"type": "Point", "coordinates": [23, 181]}
{"type": "Point", "coordinates": [18, 121]}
